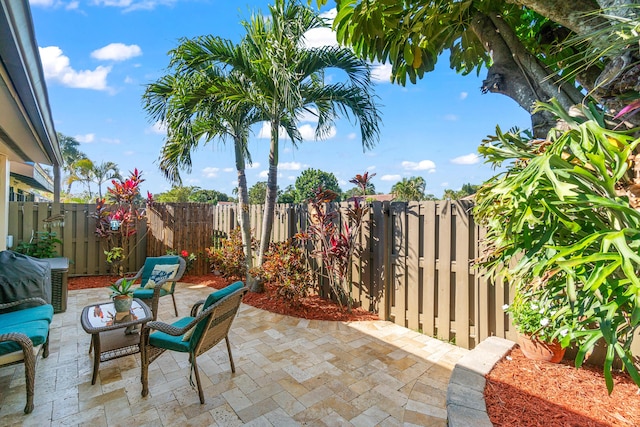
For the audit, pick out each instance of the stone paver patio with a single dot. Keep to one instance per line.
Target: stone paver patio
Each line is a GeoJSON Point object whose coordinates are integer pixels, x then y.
{"type": "Point", "coordinates": [289, 371]}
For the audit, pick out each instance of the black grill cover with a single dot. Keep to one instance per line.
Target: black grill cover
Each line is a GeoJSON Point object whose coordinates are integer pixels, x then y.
{"type": "Point", "coordinates": [22, 276]}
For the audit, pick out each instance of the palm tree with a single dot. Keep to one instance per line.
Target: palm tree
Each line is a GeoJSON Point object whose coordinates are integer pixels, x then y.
{"type": "Point", "coordinates": [194, 104]}
{"type": "Point", "coordinates": [280, 79]}
{"type": "Point", "coordinates": [70, 155]}
{"type": "Point", "coordinates": [104, 172]}
{"type": "Point", "coordinates": [290, 79]}
{"type": "Point", "coordinates": [82, 170]}
{"type": "Point", "coordinates": [409, 189]}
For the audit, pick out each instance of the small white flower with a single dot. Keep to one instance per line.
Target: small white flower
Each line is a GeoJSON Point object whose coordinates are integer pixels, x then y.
{"type": "Point", "coordinates": [541, 311]}
{"type": "Point", "coordinates": [506, 306]}
{"type": "Point", "coordinates": [564, 332]}
{"type": "Point", "coordinates": [534, 306]}
{"type": "Point", "coordinates": [544, 322]}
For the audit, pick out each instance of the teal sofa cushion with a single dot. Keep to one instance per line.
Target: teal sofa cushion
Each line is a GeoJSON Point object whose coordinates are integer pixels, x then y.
{"type": "Point", "coordinates": [162, 340]}
{"type": "Point", "coordinates": [151, 262]}
{"type": "Point", "coordinates": [40, 312]}
{"type": "Point", "coordinates": [147, 293]}
{"type": "Point", "coordinates": [36, 330]}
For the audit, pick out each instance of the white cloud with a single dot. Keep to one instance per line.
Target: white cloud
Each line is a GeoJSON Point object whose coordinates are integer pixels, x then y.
{"type": "Point", "coordinates": [291, 178]}
{"type": "Point", "coordinates": [381, 73]}
{"type": "Point", "coordinates": [210, 172]}
{"type": "Point", "coordinates": [422, 165]}
{"type": "Point", "coordinates": [128, 80]}
{"type": "Point", "coordinates": [463, 95]}
{"type": "Point", "coordinates": [131, 5]}
{"type": "Point", "coordinates": [468, 159]}
{"type": "Point", "coordinates": [228, 170]}
{"type": "Point", "coordinates": [192, 181]}
{"type": "Point", "coordinates": [352, 135]}
{"type": "Point", "coordinates": [158, 128]}
{"type": "Point", "coordinates": [329, 14]}
{"type": "Point", "coordinates": [253, 165]}
{"type": "Point", "coordinates": [308, 133]}
{"type": "Point", "coordinates": [390, 178]}
{"type": "Point", "coordinates": [450, 117]}
{"type": "Point", "coordinates": [320, 37]}
{"type": "Point", "coordinates": [117, 52]}
{"type": "Point", "coordinates": [87, 139]}
{"type": "Point", "coordinates": [370, 168]}
{"type": "Point", "coordinates": [263, 174]}
{"type": "Point", "coordinates": [129, 153]}
{"type": "Point", "coordinates": [444, 184]}
{"type": "Point", "coordinates": [57, 67]}
{"type": "Point", "coordinates": [110, 140]}
{"type": "Point", "coordinates": [44, 3]}
{"type": "Point", "coordinates": [72, 5]}
{"type": "Point", "coordinates": [291, 166]}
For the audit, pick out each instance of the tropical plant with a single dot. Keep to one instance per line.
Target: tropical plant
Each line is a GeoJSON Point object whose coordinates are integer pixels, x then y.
{"type": "Point", "coordinates": [82, 170]}
{"type": "Point", "coordinates": [285, 267]}
{"type": "Point", "coordinates": [198, 103]}
{"type": "Point", "coordinates": [562, 221]}
{"type": "Point", "coordinates": [409, 189]}
{"type": "Point", "coordinates": [116, 223]}
{"type": "Point", "coordinates": [122, 288]}
{"type": "Point", "coordinates": [229, 258]}
{"type": "Point", "coordinates": [288, 78]}
{"type": "Point", "coordinates": [70, 155]}
{"type": "Point", "coordinates": [103, 172]}
{"type": "Point", "coordinates": [333, 245]}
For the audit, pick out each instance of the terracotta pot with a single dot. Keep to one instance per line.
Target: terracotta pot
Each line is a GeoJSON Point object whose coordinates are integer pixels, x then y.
{"type": "Point", "coordinates": [122, 303]}
{"type": "Point", "coordinates": [538, 350]}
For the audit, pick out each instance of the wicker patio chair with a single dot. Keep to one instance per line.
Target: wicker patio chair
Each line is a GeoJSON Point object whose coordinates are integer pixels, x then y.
{"type": "Point", "coordinates": [151, 293]}
{"type": "Point", "coordinates": [24, 335]}
{"type": "Point", "coordinates": [195, 334]}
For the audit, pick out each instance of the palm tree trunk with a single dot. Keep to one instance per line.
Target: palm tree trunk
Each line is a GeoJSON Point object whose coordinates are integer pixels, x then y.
{"type": "Point", "coordinates": [270, 201]}
{"type": "Point", "coordinates": [243, 216]}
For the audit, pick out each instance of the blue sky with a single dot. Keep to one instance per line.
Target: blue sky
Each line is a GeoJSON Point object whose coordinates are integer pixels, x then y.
{"type": "Point", "coordinates": [98, 55]}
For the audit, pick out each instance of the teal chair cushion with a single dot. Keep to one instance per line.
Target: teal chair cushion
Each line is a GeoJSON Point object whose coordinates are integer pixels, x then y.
{"type": "Point", "coordinates": [212, 299]}
{"type": "Point", "coordinates": [36, 330]}
{"type": "Point", "coordinates": [162, 340]}
{"type": "Point", "coordinates": [143, 293]}
{"type": "Point", "coordinates": [151, 262]}
{"type": "Point", "coordinates": [40, 312]}
{"type": "Point", "coordinates": [218, 295]}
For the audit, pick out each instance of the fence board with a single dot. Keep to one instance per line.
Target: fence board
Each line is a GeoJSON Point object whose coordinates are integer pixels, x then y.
{"type": "Point", "coordinates": [443, 277]}
{"type": "Point", "coordinates": [412, 265]}
{"type": "Point", "coordinates": [429, 285]}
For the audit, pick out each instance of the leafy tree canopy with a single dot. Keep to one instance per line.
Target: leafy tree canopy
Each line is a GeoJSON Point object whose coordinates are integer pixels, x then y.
{"type": "Point", "coordinates": [258, 193]}
{"type": "Point", "coordinates": [532, 50]}
{"type": "Point", "coordinates": [186, 194]}
{"type": "Point", "coordinates": [409, 189]}
{"type": "Point", "coordinates": [309, 181]}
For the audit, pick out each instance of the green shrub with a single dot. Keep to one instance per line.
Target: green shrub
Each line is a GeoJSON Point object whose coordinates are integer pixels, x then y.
{"type": "Point", "coordinates": [285, 267]}
{"type": "Point", "coordinates": [229, 258]}
{"type": "Point", "coordinates": [41, 246]}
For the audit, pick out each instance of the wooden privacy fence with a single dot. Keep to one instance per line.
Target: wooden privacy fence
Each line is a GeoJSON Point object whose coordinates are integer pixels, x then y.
{"type": "Point", "coordinates": [415, 268]}
{"type": "Point", "coordinates": [80, 245]}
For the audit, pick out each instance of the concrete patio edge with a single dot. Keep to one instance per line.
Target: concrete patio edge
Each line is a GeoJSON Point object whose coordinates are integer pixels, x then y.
{"type": "Point", "coordinates": [465, 393]}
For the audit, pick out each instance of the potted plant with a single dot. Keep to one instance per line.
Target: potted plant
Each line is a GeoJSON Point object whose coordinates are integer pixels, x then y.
{"type": "Point", "coordinates": [122, 295]}
{"type": "Point", "coordinates": [539, 325]}
{"type": "Point", "coordinates": [563, 222]}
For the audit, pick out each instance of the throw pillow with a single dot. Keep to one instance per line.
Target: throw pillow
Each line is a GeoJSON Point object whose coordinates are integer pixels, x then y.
{"type": "Point", "coordinates": [187, 335]}
{"type": "Point", "coordinates": [160, 273]}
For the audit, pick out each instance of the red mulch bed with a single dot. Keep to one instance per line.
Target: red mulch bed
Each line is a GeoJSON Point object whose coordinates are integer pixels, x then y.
{"type": "Point", "coordinates": [312, 307]}
{"type": "Point", "coordinates": [527, 393]}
